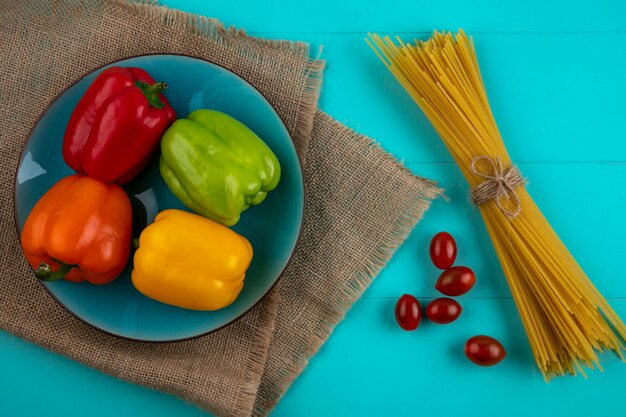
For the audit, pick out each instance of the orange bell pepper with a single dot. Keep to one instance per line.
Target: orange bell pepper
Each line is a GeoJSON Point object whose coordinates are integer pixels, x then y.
{"type": "Point", "coordinates": [79, 230]}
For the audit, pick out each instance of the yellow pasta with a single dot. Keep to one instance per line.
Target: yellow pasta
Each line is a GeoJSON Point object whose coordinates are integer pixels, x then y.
{"type": "Point", "coordinates": [566, 319]}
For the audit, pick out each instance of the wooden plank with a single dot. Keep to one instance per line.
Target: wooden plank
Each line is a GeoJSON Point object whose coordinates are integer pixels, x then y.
{"type": "Point", "coordinates": [554, 75]}
{"type": "Point", "coordinates": [37, 382]}
{"type": "Point", "coordinates": [555, 97]}
{"type": "Point", "coordinates": [410, 15]}
{"type": "Point", "coordinates": [370, 367]}
{"type": "Point", "coordinates": [584, 203]}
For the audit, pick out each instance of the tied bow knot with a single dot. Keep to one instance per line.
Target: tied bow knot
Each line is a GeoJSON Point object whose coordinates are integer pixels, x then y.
{"type": "Point", "coordinates": [499, 185]}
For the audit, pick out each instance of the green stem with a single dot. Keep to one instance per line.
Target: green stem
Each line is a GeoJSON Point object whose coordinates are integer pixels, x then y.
{"type": "Point", "coordinates": [156, 88]}
{"type": "Point", "coordinates": [151, 91]}
{"type": "Point", "coordinates": [136, 243]}
{"type": "Point", "coordinates": [45, 273]}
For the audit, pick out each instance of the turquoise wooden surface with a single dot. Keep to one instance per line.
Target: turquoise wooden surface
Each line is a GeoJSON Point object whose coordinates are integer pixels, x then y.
{"type": "Point", "coordinates": [554, 74]}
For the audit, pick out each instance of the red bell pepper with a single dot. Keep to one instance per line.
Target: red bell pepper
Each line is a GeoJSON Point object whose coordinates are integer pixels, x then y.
{"type": "Point", "coordinates": [117, 125]}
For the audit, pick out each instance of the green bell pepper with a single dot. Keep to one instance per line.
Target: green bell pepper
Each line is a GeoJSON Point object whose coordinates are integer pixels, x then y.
{"type": "Point", "coordinates": [217, 166]}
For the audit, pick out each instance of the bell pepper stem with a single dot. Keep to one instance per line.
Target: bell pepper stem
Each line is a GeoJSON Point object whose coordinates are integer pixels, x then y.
{"type": "Point", "coordinates": [151, 91]}
{"type": "Point", "coordinates": [136, 243]}
{"type": "Point", "coordinates": [45, 273]}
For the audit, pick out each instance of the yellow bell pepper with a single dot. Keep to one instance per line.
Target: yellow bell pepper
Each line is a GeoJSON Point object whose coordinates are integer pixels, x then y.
{"type": "Point", "coordinates": [191, 262]}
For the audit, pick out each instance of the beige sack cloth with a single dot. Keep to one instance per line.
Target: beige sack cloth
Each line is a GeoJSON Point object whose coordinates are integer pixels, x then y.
{"type": "Point", "coordinates": [361, 204]}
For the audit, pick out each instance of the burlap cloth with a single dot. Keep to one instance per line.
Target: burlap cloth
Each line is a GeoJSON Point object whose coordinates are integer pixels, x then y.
{"type": "Point", "coordinates": [361, 204]}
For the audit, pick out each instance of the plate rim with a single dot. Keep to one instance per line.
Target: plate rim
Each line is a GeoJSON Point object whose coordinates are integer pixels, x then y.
{"type": "Point", "coordinates": [252, 305]}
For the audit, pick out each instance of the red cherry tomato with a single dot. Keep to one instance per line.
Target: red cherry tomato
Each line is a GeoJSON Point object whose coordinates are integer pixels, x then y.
{"type": "Point", "coordinates": [484, 350]}
{"type": "Point", "coordinates": [443, 310]}
{"type": "Point", "coordinates": [443, 250]}
{"type": "Point", "coordinates": [408, 312]}
{"type": "Point", "coordinates": [455, 281]}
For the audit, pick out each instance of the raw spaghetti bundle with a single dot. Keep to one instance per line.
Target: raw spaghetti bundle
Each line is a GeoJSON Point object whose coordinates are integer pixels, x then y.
{"type": "Point", "coordinates": [565, 317]}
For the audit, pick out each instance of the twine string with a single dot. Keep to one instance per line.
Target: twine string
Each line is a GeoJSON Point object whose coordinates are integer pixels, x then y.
{"type": "Point", "coordinates": [499, 185]}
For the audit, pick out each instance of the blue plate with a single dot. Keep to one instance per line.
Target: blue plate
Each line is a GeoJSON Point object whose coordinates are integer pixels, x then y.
{"type": "Point", "coordinates": [272, 227]}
